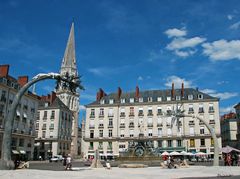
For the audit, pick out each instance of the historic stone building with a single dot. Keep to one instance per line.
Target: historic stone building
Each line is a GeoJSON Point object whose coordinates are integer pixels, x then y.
{"type": "Point", "coordinates": [53, 128]}
{"type": "Point", "coordinates": [69, 94]}
{"type": "Point", "coordinates": [115, 120]}
{"type": "Point", "coordinates": [229, 130]}
{"type": "Point", "coordinates": [237, 108]}
{"type": "Point", "coordinates": [23, 132]}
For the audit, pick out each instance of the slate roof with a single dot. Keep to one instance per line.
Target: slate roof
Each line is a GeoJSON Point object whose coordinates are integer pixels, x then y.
{"type": "Point", "coordinates": [57, 103]}
{"type": "Point", "coordinates": [155, 94]}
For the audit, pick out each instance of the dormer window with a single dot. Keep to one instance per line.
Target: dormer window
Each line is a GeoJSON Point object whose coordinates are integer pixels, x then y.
{"type": "Point", "coordinates": [140, 100]}
{"type": "Point", "coordinates": [178, 98]}
{"type": "Point", "coordinates": [200, 96]}
{"type": "Point", "coordinates": [102, 101]}
{"type": "Point", "coordinates": [149, 99]}
{"type": "Point", "coordinates": [131, 100]}
{"type": "Point", "coordinates": [168, 98]}
{"type": "Point", "coordinates": [111, 101]}
{"type": "Point", "coordinates": [159, 99]}
{"type": "Point", "coordinates": [190, 97]}
{"type": "Point", "coordinates": [123, 100]}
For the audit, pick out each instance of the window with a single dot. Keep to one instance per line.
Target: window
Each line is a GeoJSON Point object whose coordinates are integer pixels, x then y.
{"type": "Point", "coordinates": [101, 112]}
{"type": "Point", "coordinates": [92, 114]}
{"type": "Point", "coordinates": [212, 142]}
{"type": "Point", "coordinates": [190, 97]}
{"type": "Point", "coordinates": [45, 115]}
{"type": "Point", "coordinates": [150, 112]}
{"type": "Point", "coordinates": [191, 131]}
{"type": "Point", "coordinates": [21, 142]}
{"type": "Point", "coordinates": [140, 111]}
{"type": "Point", "coordinates": [200, 110]}
{"type": "Point", "coordinates": [211, 109]}
{"type": "Point", "coordinates": [150, 122]}
{"type": "Point", "coordinates": [160, 143]}
{"type": "Point", "coordinates": [179, 143]}
{"type": "Point", "coordinates": [52, 115]}
{"type": "Point", "coordinates": [44, 126]}
{"type": "Point", "coordinates": [100, 133]}
{"type": "Point", "coordinates": [122, 133]}
{"type": "Point", "coordinates": [200, 96]}
{"type": "Point", "coordinates": [168, 98]}
{"type": "Point", "coordinates": [51, 126]}
{"type": "Point", "coordinates": [110, 122]}
{"type": "Point", "coordinates": [159, 121]}
{"type": "Point", "coordinates": [43, 134]}
{"type": "Point", "coordinates": [131, 111]}
{"type": "Point", "coordinates": [202, 130]}
{"type": "Point", "coordinates": [169, 110]}
{"type": "Point", "coordinates": [110, 145]}
{"type": "Point", "coordinates": [37, 126]}
{"type": "Point", "coordinates": [131, 100]}
{"type": "Point", "coordinates": [190, 109]}
{"type": "Point", "coordinates": [111, 101]}
{"type": "Point", "coordinates": [91, 124]}
{"type": "Point", "coordinates": [159, 111]}
{"type": "Point", "coordinates": [192, 143]}
{"type": "Point", "coordinates": [110, 112]}
{"type": "Point", "coordinates": [159, 132]}
{"type": "Point", "coordinates": [150, 132]}
{"type": "Point", "coordinates": [100, 145]}
{"type": "Point", "coordinates": [202, 142]}
{"type": "Point", "coordinates": [91, 145]}
{"type": "Point", "coordinates": [122, 100]}
{"type": "Point", "coordinates": [169, 143]}
{"type": "Point", "coordinates": [178, 98]}
{"type": "Point", "coordinates": [91, 134]}
{"type": "Point", "coordinates": [169, 132]}
{"type": "Point", "coordinates": [131, 133]}
{"type": "Point", "coordinates": [149, 99]}
{"type": "Point", "coordinates": [179, 132]}
{"type": "Point", "coordinates": [159, 99]}
{"type": "Point", "coordinates": [140, 100]}
{"type": "Point", "coordinates": [110, 133]}
{"type": "Point", "coordinates": [122, 112]}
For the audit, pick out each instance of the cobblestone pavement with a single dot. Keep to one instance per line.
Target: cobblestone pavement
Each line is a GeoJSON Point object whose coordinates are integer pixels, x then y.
{"type": "Point", "coordinates": [124, 173]}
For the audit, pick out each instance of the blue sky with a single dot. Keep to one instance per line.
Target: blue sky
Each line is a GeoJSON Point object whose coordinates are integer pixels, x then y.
{"type": "Point", "coordinates": [125, 43]}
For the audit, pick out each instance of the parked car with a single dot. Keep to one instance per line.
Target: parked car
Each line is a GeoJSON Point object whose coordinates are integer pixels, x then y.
{"type": "Point", "coordinates": [56, 158]}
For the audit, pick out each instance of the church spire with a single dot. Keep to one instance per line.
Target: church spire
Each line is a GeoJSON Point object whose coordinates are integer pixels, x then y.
{"type": "Point", "coordinates": [69, 58]}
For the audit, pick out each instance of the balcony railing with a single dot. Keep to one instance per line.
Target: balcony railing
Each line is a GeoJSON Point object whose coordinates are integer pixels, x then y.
{"type": "Point", "coordinates": [131, 125]}
{"type": "Point", "coordinates": [122, 115]}
{"type": "Point", "coordinates": [159, 125]}
{"type": "Point", "coordinates": [101, 115]}
{"type": "Point", "coordinates": [140, 114]}
{"type": "Point", "coordinates": [92, 115]}
{"type": "Point", "coordinates": [211, 111]}
{"type": "Point", "coordinates": [212, 122]}
{"type": "Point", "coordinates": [131, 115]}
{"type": "Point", "coordinates": [150, 114]}
{"type": "Point", "coordinates": [110, 115]}
{"type": "Point", "coordinates": [100, 126]}
{"type": "Point", "coordinates": [160, 113]}
{"type": "Point", "coordinates": [190, 111]}
{"type": "Point", "coordinates": [191, 123]}
{"type": "Point", "coordinates": [91, 127]}
{"type": "Point", "coordinates": [110, 126]}
{"type": "Point", "coordinates": [122, 125]}
{"type": "Point", "coordinates": [150, 124]}
{"type": "Point", "coordinates": [90, 148]}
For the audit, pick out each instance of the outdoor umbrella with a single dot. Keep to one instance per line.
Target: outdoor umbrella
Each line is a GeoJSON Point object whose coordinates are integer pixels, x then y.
{"type": "Point", "coordinates": [200, 154]}
{"type": "Point", "coordinates": [174, 153]}
{"type": "Point", "coordinates": [183, 153]}
{"type": "Point", "coordinates": [229, 149]}
{"type": "Point", "coordinates": [165, 153]}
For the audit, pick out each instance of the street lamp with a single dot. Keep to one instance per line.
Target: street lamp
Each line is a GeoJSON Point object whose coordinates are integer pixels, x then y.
{"type": "Point", "coordinates": [70, 82]}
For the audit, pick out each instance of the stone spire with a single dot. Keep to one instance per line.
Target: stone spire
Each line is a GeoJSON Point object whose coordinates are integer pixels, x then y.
{"type": "Point", "coordinates": [69, 59]}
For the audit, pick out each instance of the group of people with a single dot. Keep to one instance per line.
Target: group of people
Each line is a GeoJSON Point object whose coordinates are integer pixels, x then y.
{"type": "Point", "coordinates": [231, 159]}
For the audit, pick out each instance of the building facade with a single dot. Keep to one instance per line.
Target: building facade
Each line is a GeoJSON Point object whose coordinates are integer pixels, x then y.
{"type": "Point", "coordinates": [53, 127]}
{"type": "Point", "coordinates": [24, 122]}
{"type": "Point", "coordinates": [237, 108]}
{"type": "Point", "coordinates": [229, 130]}
{"type": "Point", "coordinates": [114, 121]}
{"type": "Point", "coordinates": [69, 94]}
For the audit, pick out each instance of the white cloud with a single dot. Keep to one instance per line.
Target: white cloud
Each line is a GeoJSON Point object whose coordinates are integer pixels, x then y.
{"type": "Point", "coordinates": [181, 43]}
{"type": "Point", "coordinates": [230, 17]}
{"type": "Point", "coordinates": [222, 82]}
{"type": "Point", "coordinates": [140, 78]}
{"type": "Point", "coordinates": [226, 110]}
{"type": "Point", "coordinates": [82, 108]}
{"type": "Point", "coordinates": [222, 96]}
{"type": "Point", "coordinates": [222, 50]}
{"type": "Point", "coordinates": [235, 26]}
{"type": "Point", "coordinates": [186, 53]}
{"type": "Point", "coordinates": [177, 82]}
{"type": "Point", "coordinates": [175, 32]}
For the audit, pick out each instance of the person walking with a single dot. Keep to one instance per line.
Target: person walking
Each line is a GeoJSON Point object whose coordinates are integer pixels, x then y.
{"type": "Point", "coordinates": [238, 160]}
{"type": "Point", "coordinates": [68, 163]}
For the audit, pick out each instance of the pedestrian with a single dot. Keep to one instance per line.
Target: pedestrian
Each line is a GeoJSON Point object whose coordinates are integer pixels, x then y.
{"type": "Point", "coordinates": [68, 163]}
{"type": "Point", "coordinates": [229, 159]}
{"type": "Point", "coordinates": [64, 161]}
{"type": "Point", "coordinates": [40, 157]}
{"type": "Point", "coordinates": [238, 160]}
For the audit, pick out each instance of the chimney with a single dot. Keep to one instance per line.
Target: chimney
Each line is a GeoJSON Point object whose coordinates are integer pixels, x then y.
{"type": "Point", "coordinates": [182, 90]}
{"type": "Point", "coordinates": [172, 92]}
{"type": "Point", "coordinates": [97, 96]}
{"type": "Point", "coordinates": [4, 69]}
{"type": "Point", "coordinates": [22, 80]}
{"type": "Point", "coordinates": [137, 92]}
{"type": "Point", "coordinates": [53, 97]}
{"type": "Point", "coordinates": [119, 92]}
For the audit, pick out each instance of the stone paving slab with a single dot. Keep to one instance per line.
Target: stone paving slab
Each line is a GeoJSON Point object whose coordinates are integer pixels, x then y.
{"type": "Point", "coordinates": [122, 173]}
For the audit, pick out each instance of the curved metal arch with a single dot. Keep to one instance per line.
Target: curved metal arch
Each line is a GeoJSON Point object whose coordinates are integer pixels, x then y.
{"type": "Point", "coordinates": [7, 139]}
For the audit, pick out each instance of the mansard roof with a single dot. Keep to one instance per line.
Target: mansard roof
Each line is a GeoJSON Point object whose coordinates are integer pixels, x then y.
{"type": "Point", "coordinates": [155, 94]}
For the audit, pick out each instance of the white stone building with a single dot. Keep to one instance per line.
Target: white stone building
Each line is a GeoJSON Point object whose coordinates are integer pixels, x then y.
{"type": "Point", "coordinates": [53, 127]}
{"type": "Point", "coordinates": [23, 132]}
{"type": "Point", "coordinates": [114, 120]}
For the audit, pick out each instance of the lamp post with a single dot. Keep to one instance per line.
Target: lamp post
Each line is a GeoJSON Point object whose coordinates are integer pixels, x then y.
{"type": "Point", "coordinates": [6, 163]}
